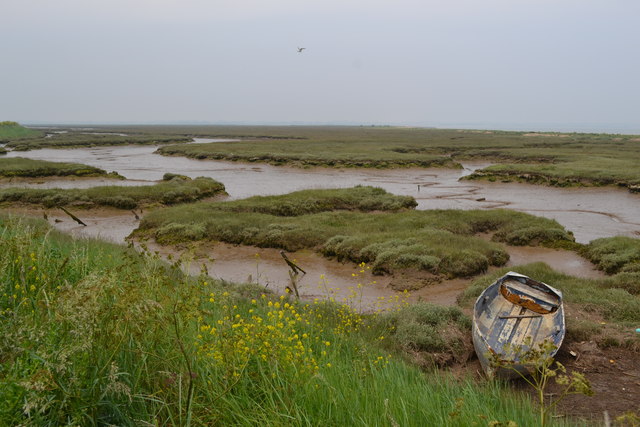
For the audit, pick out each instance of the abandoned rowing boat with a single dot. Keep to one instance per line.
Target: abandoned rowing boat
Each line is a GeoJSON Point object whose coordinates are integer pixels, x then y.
{"type": "Point", "coordinates": [516, 312]}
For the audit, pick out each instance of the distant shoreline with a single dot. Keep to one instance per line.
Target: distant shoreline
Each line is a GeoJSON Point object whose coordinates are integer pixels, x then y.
{"type": "Point", "coordinates": [609, 128]}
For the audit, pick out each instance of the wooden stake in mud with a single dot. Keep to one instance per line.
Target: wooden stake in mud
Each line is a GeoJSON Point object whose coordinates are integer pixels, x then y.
{"type": "Point", "coordinates": [293, 274]}
{"type": "Point", "coordinates": [75, 218]}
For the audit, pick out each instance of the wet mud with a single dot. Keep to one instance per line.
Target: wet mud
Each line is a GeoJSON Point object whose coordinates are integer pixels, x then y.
{"type": "Point", "coordinates": [347, 282]}
{"type": "Point", "coordinates": [324, 278]}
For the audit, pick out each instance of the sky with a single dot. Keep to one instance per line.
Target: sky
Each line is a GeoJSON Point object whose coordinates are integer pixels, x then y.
{"type": "Point", "coordinates": [502, 64]}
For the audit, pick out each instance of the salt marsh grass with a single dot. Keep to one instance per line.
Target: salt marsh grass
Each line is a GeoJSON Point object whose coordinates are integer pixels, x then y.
{"type": "Point", "coordinates": [177, 190]}
{"type": "Point", "coordinates": [28, 168]}
{"type": "Point", "coordinates": [338, 223]}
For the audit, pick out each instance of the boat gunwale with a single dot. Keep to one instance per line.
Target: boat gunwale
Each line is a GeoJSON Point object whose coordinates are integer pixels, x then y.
{"type": "Point", "coordinates": [476, 332]}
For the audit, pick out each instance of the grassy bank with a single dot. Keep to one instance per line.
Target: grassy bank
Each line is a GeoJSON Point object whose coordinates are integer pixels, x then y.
{"type": "Point", "coordinates": [96, 334]}
{"type": "Point", "coordinates": [169, 192]}
{"type": "Point", "coordinates": [22, 139]}
{"type": "Point", "coordinates": [307, 153]}
{"type": "Point", "coordinates": [584, 171]}
{"type": "Point", "coordinates": [71, 140]}
{"type": "Point", "coordinates": [338, 224]}
{"type": "Point", "coordinates": [28, 168]}
{"type": "Point", "coordinates": [11, 131]}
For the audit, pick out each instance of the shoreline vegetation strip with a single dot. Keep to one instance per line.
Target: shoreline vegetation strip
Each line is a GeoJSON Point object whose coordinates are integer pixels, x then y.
{"type": "Point", "coordinates": [172, 190]}
{"type": "Point", "coordinates": [18, 167]}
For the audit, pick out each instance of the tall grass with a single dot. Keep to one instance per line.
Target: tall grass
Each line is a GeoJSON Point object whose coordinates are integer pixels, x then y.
{"type": "Point", "coordinates": [95, 334]}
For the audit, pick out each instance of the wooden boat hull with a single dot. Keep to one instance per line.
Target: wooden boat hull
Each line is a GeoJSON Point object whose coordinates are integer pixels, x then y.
{"type": "Point", "coordinates": [513, 308]}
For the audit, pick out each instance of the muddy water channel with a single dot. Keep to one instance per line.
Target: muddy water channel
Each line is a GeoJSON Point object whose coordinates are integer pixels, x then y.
{"type": "Point", "coordinates": [589, 213]}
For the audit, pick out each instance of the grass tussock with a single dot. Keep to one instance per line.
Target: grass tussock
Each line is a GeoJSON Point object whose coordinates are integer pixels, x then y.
{"type": "Point", "coordinates": [170, 192]}
{"type": "Point", "coordinates": [338, 224]}
{"type": "Point", "coordinates": [95, 334]}
{"type": "Point", "coordinates": [615, 254]}
{"type": "Point", "coordinates": [431, 335]}
{"type": "Point", "coordinates": [28, 168]}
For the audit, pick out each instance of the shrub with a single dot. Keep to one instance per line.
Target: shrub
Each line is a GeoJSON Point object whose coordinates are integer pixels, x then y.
{"type": "Point", "coordinates": [169, 176]}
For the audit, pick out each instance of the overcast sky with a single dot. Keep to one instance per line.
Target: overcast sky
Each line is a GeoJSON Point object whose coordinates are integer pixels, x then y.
{"type": "Point", "coordinates": [499, 63]}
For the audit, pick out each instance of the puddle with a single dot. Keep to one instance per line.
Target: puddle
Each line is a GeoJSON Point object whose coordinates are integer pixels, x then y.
{"type": "Point", "coordinates": [563, 261]}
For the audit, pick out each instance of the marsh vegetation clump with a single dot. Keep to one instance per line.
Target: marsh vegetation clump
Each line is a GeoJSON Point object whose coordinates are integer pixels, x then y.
{"type": "Point", "coordinates": [121, 197]}
{"type": "Point", "coordinates": [615, 254]}
{"type": "Point", "coordinates": [28, 168]}
{"type": "Point", "coordinates": [431, 335]}
{"type": "Point", "coordinates": [359, 198]}
{"type": "Point", "coordinates": [361, 224]}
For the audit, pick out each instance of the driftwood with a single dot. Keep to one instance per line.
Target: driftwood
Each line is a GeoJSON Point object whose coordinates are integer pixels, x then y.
{"type": "Point", "coordinates": [291, 264]}
{"type": "Point", "coordinates": [135, 214]}
{"type": "Point", "coordinates": [293, 274]}
{"type": "Point", "coordinates": [75, 218]}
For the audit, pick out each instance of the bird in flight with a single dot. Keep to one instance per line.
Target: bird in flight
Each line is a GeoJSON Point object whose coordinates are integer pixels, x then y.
{"type": "Point", "coordinates": [300, 49]}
